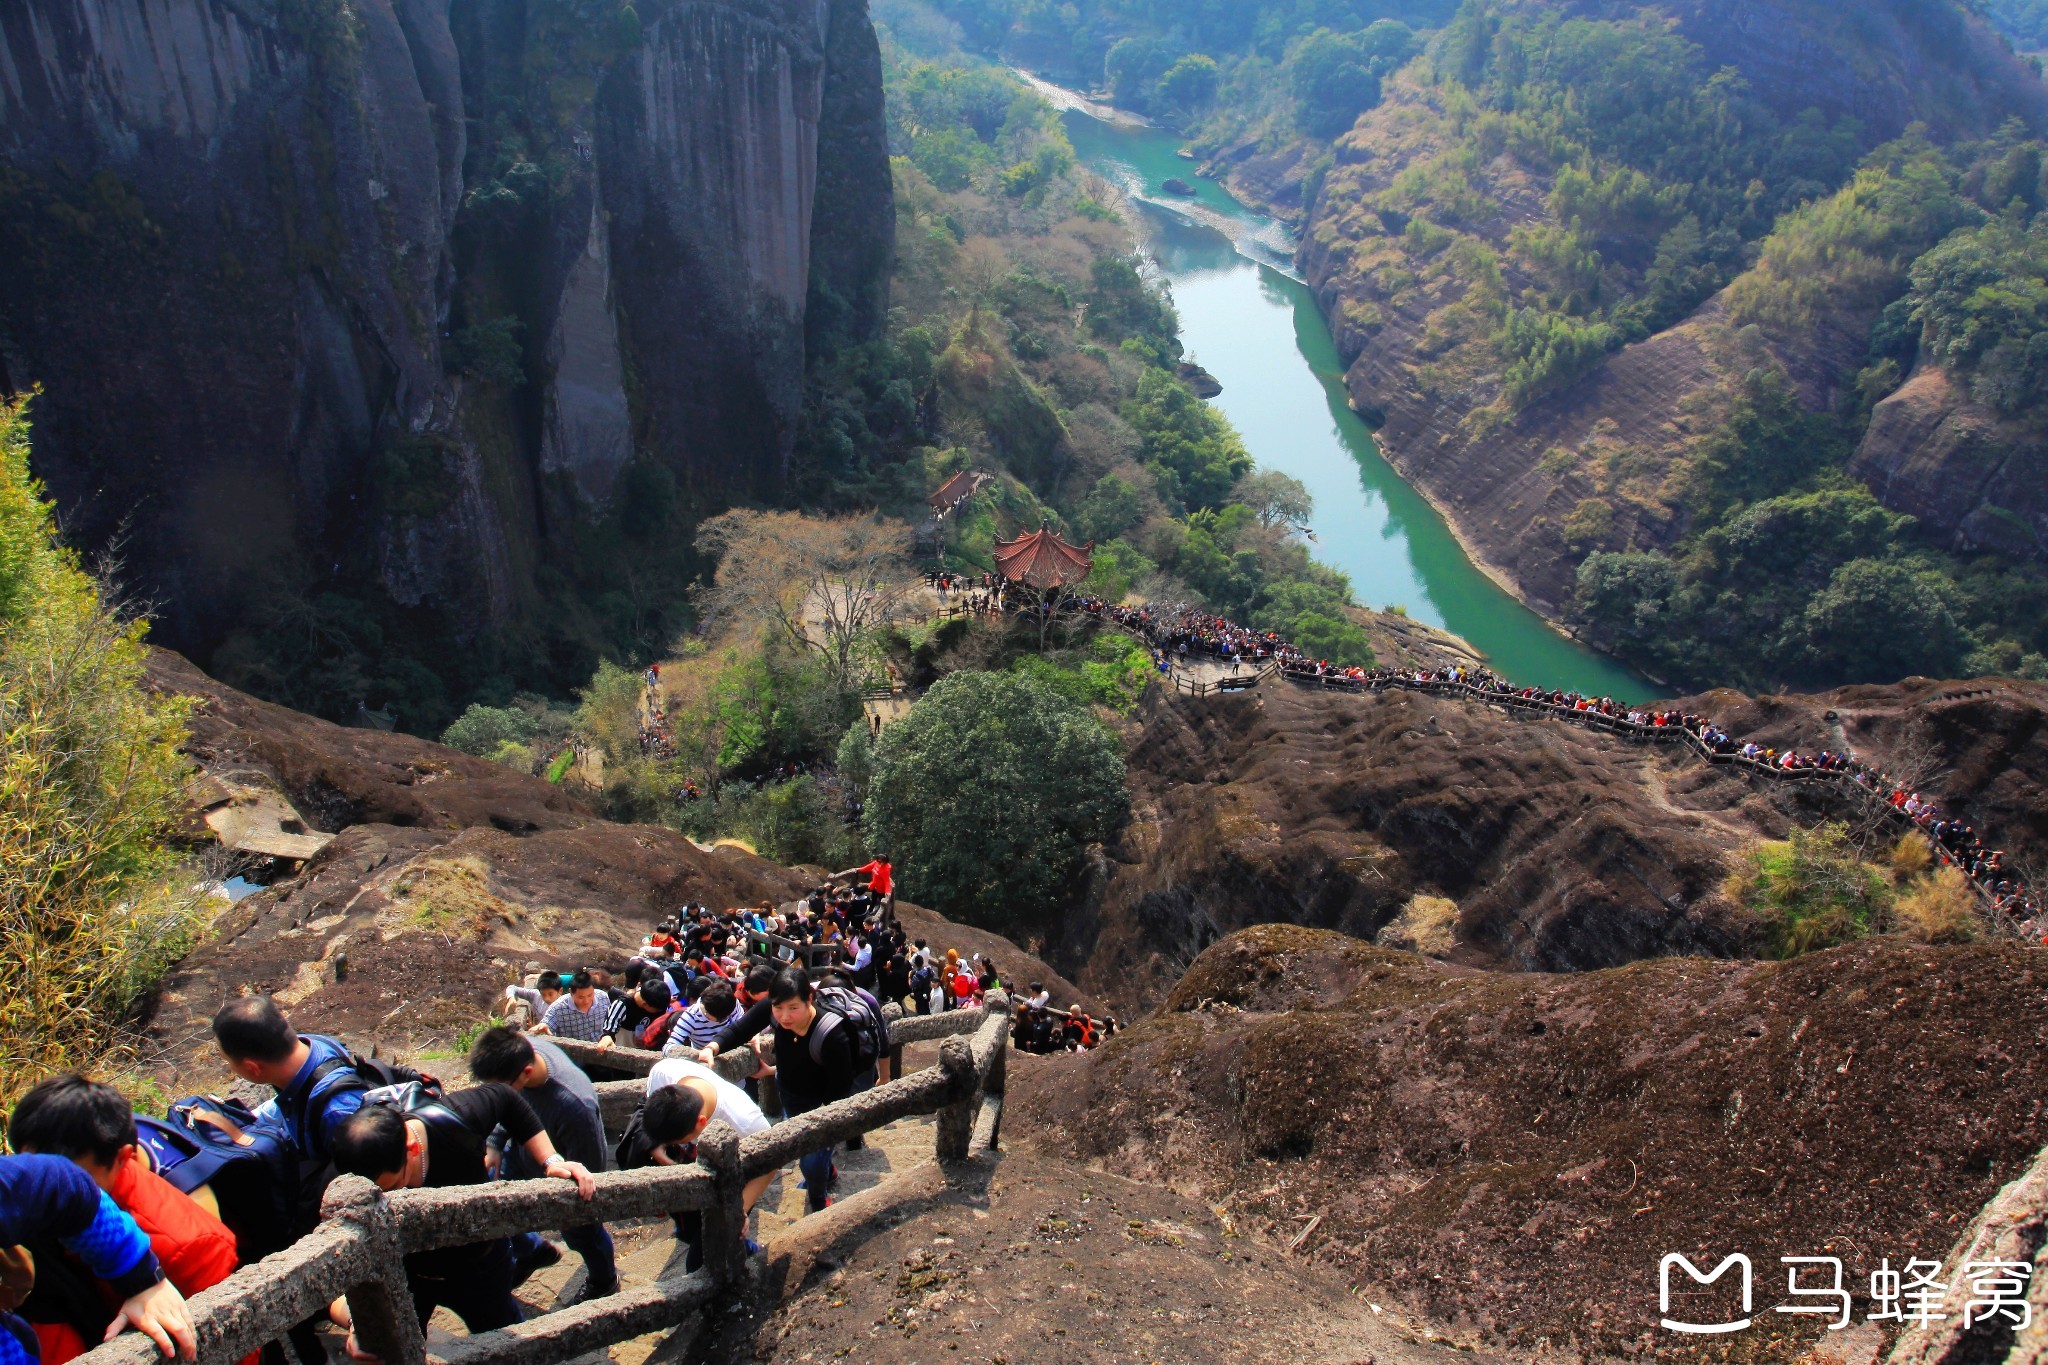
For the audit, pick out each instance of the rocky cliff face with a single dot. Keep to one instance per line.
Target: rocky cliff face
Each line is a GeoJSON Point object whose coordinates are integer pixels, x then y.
{"type": "Point", "coordinates": [1551, 848]}
{"type": "Point", "coordinates": [1541, 845]}
{"type": "Point", "coordinates": [1514, 1153]}
{"type": "Point", "coordinates": [1956, 465]}
{"type": "Point", "coordinates": [384, 296]}
{"type": "Point", "coordinates": [226, 256]}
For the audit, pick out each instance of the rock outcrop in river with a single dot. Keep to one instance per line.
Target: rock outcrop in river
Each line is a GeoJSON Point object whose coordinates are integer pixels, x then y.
{"type": "Point", "coordinates": [387, 298]}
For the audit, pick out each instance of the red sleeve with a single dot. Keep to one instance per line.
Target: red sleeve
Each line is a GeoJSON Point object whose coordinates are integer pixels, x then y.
{"type": "Point", "coordinates": [195, 1249]}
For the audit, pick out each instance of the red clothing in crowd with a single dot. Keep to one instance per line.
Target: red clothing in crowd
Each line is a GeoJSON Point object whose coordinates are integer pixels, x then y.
{"type": "Point", "coordinates": [878, 876]}
{"type": "Point", "coordinates": [195, 1249]}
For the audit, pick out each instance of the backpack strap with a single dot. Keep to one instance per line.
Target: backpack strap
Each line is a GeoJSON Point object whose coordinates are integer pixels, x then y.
{"type": "Point", "coordinates": [821, 1028]}
{"type": "Point", "coordinates": [343, 1065]}
{"type": "Point", "coordinates": [440, 1118]}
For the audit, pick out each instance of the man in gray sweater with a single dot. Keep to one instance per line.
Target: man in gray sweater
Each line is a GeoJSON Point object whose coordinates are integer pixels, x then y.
{"type": "Point", "coordinates": [566, 1102]}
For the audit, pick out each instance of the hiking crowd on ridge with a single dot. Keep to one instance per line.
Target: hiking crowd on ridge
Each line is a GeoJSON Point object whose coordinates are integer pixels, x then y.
{"type": "Point", "coordinates": [125, 1216]}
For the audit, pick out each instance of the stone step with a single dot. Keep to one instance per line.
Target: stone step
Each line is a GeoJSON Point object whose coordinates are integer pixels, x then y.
{"type": "Point", "coordinates": [647, 1248]}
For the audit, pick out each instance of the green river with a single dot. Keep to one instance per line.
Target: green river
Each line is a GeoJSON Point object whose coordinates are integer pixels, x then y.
{"type": "Point", "coordinates": [1249, 322]}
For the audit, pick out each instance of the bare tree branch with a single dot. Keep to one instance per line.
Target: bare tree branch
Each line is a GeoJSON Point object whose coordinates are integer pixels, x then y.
{"type": "Point", "coordinates": [825, 584]}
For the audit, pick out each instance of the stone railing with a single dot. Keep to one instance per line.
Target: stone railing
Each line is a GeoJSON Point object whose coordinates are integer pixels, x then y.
{"type": "Point", "coordinates": [359, 1248]}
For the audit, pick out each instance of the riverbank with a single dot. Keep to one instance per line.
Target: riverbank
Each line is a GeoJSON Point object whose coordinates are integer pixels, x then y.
{"type": "Point", "coordinates": [1501, 578]}
{"type": "Point", "coordinates": [1248, 320]}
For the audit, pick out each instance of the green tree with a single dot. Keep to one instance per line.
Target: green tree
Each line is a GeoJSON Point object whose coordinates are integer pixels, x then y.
{"type": "Point", "coordinates": [856, 759]}
{"type": "Point", "coordinates": [608, 711]}
{"type": "Point", "coordinates": [1276, 499]}
{"type": "Point", "coordinates": [1387, 44]}
{"type": "Point", "coordinates": [1332, 80]}
{"type": "Point", "coordinates": [490, 352]}
{"type": "Point", "coordinates": [90, 780]}
{"type": "Point", "coordinates": [1548, 351]}
{"type": "Point", "coordinates": [1112, 507]}
{"type": "Point", "coordinates": [1189, 83]}
{"type": "Point", "coordinates": [988, 794]}
{"type": "Point", "coordinates": [1133, 65]}
{"type": "Point", "coordinates": [1625, 595]}
{"type": "Point", "coordinates": [482, 730]}
{"type": "Point", "coordinates": [1333, 638]}
{"type": "Point", "coordinates": [1120, 306]}
{"type": "Point", "coordinates": [1193, 452]}
{"type": "Point", "coordinates": [1882, 621]}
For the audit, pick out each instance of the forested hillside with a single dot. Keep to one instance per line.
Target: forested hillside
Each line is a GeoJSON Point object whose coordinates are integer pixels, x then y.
{"type": "Point", "coordinates": [1647, 296]}
{"type": "Point", "coordinates": [1626, 313]}
{"type": "Point", "coordinates": [1025, 342]}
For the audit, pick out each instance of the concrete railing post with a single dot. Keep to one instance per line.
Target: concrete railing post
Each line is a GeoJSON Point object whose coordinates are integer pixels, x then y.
{"type": "Point", "coordinates": [892, 1014]}
{"type": "Point", "coordinates": [956, 1116]}
{"type": "Point", "coordinates": [725, 1222]}
{"type": "Point", "coordinates": [998, 1078]}
{"type": "Point", "coordinates": [385, 1324]}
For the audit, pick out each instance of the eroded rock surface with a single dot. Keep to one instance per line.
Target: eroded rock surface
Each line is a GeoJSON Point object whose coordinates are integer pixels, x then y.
{"type": "Point", "coordinates": [248, 250]}
{"type": "Point", "coordinates": [1516, 1152]}
{"type": "Point", "coordinates": [1563, 849]}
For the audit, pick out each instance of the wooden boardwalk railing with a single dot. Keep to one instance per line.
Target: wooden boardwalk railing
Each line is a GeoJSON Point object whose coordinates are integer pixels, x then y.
{"type": "Point", "coordinates": [359, 1248]}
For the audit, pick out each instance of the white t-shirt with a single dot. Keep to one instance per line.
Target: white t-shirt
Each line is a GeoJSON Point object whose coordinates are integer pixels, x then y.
{"type": "Point", "coordinates": [733, 1105]}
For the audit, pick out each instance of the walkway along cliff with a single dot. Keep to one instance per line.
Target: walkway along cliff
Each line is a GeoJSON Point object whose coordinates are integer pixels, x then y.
{"type": "Point", "coordinates": [363, 1234]}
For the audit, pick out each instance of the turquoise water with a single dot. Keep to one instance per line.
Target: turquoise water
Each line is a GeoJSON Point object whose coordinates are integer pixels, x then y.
{"type": "Point", "coordinates": [1248, 322]}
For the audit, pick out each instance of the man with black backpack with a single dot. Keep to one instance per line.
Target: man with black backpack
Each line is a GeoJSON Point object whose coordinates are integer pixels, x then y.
{"type": "Point", "coordinates": [825, 1044]}
{"type": "Point", "coordinates": [421, 1140]}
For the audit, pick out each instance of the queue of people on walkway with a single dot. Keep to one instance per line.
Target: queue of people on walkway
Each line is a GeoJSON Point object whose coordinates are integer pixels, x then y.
{"type": "Point", "coordinates": [127, 1216]}
{"type": "Point", "coordinates": [1181, 632]}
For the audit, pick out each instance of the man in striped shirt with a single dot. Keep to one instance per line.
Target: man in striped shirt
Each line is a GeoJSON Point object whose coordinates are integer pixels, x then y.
{"type": "Point", "coordinates": [582, 1015]}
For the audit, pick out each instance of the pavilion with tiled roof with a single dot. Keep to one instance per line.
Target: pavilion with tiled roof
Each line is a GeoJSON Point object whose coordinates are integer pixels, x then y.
{"type": "Point", "coordinates": [1040, 560]}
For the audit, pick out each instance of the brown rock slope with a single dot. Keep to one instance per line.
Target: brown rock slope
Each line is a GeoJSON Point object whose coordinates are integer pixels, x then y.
{"type": "Point", "coordinates": [1515, 1153]}
{"type": "Point", "coordinates": [1563, 849]}
{"type": "Point", "coordinates": [1980, 746]}
{"type": "Point", "coordinates": [1029, 1258]}
{"type": "Point", "coordinates": [339, 776]}
{"type": "Point", "coordinates": [447, 874]}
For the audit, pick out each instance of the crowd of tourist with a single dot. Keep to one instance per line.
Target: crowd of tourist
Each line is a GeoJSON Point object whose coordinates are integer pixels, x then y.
{"type": "Point", "coordinates": [1180, 631]}
{"type": "Point", "coordinates": [682, 986]}
{"type": "Point", "coordinates": [124, 1217]}
{"type": "Point", "coordinates": [657, 735]}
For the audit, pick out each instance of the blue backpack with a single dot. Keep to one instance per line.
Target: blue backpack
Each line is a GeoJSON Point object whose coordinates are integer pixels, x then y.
{"type": "Point", "coordinates": [247, 1161]}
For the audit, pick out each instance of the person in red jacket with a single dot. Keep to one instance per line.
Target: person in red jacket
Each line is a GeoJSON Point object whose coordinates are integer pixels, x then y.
{"type": "Point", "coordinates": [881, 882]}
{"type": "Point", "coordinates": [70, 1116]}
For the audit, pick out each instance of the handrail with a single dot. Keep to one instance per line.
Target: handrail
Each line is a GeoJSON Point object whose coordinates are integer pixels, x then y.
{"type": "Point", "coordinates": [813, 956]}
{"type": "Point", "coordinates": [359, 1248]}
